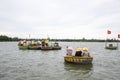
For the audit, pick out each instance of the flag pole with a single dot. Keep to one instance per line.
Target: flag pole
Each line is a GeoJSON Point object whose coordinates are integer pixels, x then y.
{"type": "Point", "coordinates": [106, 39]}
{"type": "Point", "coordinates": [108, 32]}
{"type": "Point", "coordinates": [118, 40]}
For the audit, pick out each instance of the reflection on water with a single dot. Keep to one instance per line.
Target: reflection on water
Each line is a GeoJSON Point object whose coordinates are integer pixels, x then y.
{"type": "Point", "coordinates": [81, 71]}
{"type": "Point", "coordinates": [84, 67]}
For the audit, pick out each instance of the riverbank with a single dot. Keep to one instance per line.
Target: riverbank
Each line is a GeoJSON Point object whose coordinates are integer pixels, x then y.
{"type": "Point", "coordinates": [4, 38]}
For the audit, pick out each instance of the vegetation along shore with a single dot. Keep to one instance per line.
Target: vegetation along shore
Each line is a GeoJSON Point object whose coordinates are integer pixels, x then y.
{"type": "Point", "coordinates": [7, 38]}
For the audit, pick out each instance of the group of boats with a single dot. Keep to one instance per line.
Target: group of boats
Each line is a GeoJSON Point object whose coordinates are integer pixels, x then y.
{"type": "Point", "coordinates": [37, 45]}
{"type": "Point", "coordinates": [87, 59]}
{"type": "Point", "coordinates": [44, 45]}
{"type": "Point", "coordinates": [55, 46]}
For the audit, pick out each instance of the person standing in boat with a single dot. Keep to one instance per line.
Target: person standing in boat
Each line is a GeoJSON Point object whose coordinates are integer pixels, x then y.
{"type": "Point", "coordinates": [46, 42]}
{"type": "Point", "coordinates": [78, 52]}
{"type": "Point", "coordinates": [43, 42]}
{"type": "Point", "coordinates": [39, 42]}
{"type": "Point", "coordinates": [85, 52]}
{"type": "Point", "coordinates": [33, 42]}
{"type": "Point", "coordinates": [69, 51]}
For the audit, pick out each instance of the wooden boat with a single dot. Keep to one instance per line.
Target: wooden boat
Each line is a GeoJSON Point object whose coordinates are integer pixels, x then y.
{"type": "Point", "coordinates": [46, 48]}
{"type": "Point", "coordinates": [56, 47]}
{"type": "Point", "coordinates": [23, 47]}
{"type": "Point", "coordinates": [34, 47]}
{"type": "Point", "coordinates": [77, 59]}
{"type": "Point", "coordinates": [51, 48]}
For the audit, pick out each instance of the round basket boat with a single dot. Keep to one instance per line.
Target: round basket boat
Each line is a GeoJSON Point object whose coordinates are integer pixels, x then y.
{"type": "Point", "coordinates": [111, 48]}
{"type": "Point", "coordinates": [77, 59]}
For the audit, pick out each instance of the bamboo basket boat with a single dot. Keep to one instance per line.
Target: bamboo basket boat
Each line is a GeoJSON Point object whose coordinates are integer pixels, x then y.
{"type": "Point", "coordinates": [77, 59]}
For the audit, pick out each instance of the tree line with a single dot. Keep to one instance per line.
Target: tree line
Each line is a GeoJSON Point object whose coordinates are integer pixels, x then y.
{"type": "Point", "coordinates": [6, 38]}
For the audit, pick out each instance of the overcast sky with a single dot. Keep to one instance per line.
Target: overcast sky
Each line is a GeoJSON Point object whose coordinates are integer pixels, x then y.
{"type": "Point", "coordinates": [60, 18]}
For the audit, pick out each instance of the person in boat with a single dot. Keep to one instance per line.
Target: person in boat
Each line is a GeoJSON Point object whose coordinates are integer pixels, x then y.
{"type": "Point", "coordinates": [69, 51]}
{"type": "Point", "coordinates": [110, 45]}
{"type": "Point", "coordinates": [24, 43]}
{"type": "Point", "coordinates": [20, 43]}
{"type": "Point", "coordinates": [39, 43]}
{"type": "Point", "coordinates": [85, 52]}
{"type": "Point", "coordinates": [78, 52]}
{"type": "Point", "coordinates": [33, 42]}
{"type": "Point", "coordinates": [43, 42]}
{"type": "Point", "coordinates": [46, 42]}
{"type": "Point", "coordinates": [56, 44]}
{"type": "Point", "coordinates": [28, 43]}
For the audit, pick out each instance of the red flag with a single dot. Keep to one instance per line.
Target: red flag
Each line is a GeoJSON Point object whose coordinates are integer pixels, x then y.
{"type": "Point", "coordinates": [108, 32]}
{"type": "Point", "coordinates": [118, 35]}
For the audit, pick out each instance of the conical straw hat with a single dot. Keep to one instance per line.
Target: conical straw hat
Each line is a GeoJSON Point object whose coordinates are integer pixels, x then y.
{"type": "Point", "coordinates": [79, 49]}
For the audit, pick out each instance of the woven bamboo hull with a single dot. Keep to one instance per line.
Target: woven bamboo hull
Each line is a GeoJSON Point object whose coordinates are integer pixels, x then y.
{"type": "Point", "coordinates": [76, 59]}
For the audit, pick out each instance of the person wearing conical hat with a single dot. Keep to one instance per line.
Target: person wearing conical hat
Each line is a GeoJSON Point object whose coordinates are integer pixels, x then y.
{"type": "Point", "coordinates": [78, 52]}
{"type": "Point", "coordinates": [85, 52]}
{"type": "Point", "coordinates": [69, 51]}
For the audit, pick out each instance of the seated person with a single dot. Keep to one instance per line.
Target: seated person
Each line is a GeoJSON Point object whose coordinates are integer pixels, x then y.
{"type": "Point", "coordinates": [43, 43]}
{"type": "Point", "coordinates": [46, 42]}
{"type": "Point", "coordinates": [85, 52]}
{"type": "Point", "coordinates": [56, 44]}
{"type": "Point", "coordinates": [110, 45]}
{"type": "Point", "coordinates": [20, 43]}
{"type": "Point", "coordinates": [69, 51]}
{"type": "Point", "coordinates": [78, 52]}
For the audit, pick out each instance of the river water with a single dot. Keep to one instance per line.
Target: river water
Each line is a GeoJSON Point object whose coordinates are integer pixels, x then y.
{"type": "Point", "coordinates": [18, 64]}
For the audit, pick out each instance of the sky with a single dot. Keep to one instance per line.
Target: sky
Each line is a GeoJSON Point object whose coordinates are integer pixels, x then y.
{"type": "Point", "coordinates": [60, 19]}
